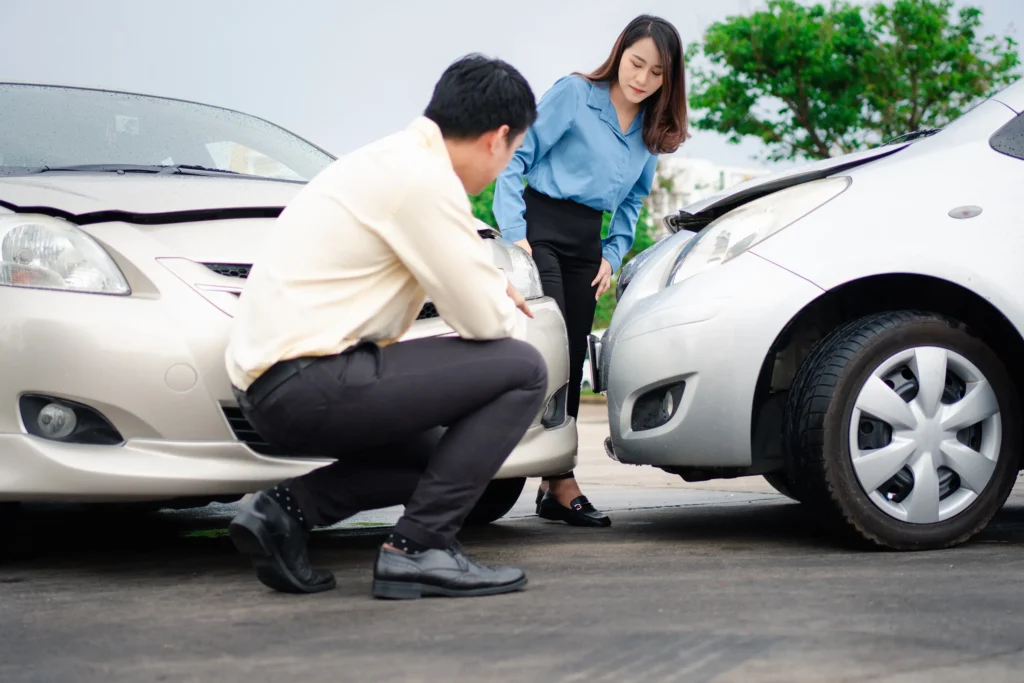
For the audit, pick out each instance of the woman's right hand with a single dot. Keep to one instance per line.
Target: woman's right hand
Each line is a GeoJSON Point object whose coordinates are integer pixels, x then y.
{"type": "Point", "coordinates": [525, 244]}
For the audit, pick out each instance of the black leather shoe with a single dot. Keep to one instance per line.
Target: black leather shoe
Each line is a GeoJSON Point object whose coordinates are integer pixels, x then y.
{"type": "Point", "coordinates": [579, 513]}
{"type": "Point", "coordinates": [276, 543]}
{"type": "Point", "coordinates": [439, 573]}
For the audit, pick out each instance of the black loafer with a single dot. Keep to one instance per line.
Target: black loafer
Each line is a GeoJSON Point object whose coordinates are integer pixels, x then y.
{"type": "Point", "coordinates": [579, 513]}
{"type": "Point", "coordinates": [439, 573]}
{"type": "Point", "coordinates": [276, 544]}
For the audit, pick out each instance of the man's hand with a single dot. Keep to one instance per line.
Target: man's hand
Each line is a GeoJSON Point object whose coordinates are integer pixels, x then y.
{"type": "Point", "coordinates": [525, 244]}
{"type": "Point", "coordinates": [603, 279]}
{"type": "Point", "coordinates": [518, 299]}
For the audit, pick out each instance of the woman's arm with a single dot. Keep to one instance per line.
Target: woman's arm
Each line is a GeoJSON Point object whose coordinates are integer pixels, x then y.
{"type": "Point", "coordinates": [555, 113]}
{"type": "Point", "coordinates": [622, 230]}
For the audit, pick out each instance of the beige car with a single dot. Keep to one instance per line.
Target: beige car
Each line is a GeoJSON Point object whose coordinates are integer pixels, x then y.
{"type": "Point", "coordinates": [128, 225]}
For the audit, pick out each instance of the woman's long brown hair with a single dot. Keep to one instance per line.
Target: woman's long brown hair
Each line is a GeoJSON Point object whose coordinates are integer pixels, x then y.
{"type": "Point", "coordinates": [665, 118]}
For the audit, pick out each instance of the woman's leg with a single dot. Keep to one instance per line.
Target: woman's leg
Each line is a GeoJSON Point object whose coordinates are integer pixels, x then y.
{"type": "Point", "coordinates": [567, 502]}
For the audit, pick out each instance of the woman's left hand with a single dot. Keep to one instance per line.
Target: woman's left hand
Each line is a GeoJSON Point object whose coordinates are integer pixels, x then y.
{"type": "Point", "coordinates": [603, 279]}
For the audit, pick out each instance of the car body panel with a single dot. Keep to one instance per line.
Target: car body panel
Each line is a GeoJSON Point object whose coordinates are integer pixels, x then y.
{"type": "Point", "coordinates": [716, 329]}
{"type": "Point", "coordinates": [911, 231]}
{"type": "Point", "coordinates": [712, 332]}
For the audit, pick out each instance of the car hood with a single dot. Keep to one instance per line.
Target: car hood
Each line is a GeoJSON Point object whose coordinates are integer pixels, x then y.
{"type": "Point", "coordinates": [98, 197]}
{"type": "Point", "coordinates": [698, 214]}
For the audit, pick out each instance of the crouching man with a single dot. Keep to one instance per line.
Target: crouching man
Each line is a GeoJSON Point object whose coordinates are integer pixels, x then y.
{"type": "Point", "coordinates": [312, 355]}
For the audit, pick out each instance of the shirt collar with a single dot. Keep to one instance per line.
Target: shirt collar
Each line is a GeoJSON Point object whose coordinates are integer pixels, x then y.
{"type": "Point", "coordinates": [600, 99]}
{"type": "Point", "coordinates": [431, 134]}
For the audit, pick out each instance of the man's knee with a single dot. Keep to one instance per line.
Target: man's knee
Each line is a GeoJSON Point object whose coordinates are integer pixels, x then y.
{"type": "Point", "coordinates": [531, 368]}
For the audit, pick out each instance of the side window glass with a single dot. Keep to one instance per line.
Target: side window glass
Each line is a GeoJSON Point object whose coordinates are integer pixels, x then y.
{"type": "Point", "coordinates": [1009, 139]}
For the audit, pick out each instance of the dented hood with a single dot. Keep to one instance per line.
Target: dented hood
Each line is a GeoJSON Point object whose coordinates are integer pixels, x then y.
{"type": "Point", "coordinates": [97, 197]}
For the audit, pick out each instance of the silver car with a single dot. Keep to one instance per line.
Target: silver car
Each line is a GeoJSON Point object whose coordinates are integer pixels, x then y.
{"type": "Point", "coordinates": [128, 224]}
{"type": "Point", "coordinates": [850, 329]}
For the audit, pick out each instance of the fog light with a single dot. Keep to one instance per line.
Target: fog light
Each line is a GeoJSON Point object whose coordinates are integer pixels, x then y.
{"type": "Point", "coordinates": [555, 411]}
{"type": "Point", "coordinates": [668, 404]}
{"type": "Point", "coordinates": [56, 421]}
{"type": "Point", "coordinates": [59, 419]}
{"type": "Point", "coordinates": [656, 407]}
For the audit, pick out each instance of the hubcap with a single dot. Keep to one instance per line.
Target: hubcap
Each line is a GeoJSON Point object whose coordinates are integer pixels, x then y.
{"type": "Point", "coordinates": [925, 435]}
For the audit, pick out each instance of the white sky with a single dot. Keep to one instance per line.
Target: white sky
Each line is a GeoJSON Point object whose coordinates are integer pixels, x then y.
{"type": "Point", "coordinates": [338, 72]}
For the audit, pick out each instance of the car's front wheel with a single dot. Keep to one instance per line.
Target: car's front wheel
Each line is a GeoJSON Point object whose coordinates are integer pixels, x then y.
{"type": "Point", "coordinates": [780, 482]}
{"type": "Point", "coordinates": [8, 519]}
{"type": "Point", "coordinates": [498, 498]}
{"type": "Point", "coordinates": [904, 429]}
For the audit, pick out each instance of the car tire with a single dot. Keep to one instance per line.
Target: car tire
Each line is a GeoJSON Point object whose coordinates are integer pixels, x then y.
{"type": "Point", "coordinates": [498, 498]}
{"type": "Point", "coordinates": [781, 483]}
{"type": "Point", "coordinates": [8, 521]}
{"type": "Point", "coordinates": [952, 476]}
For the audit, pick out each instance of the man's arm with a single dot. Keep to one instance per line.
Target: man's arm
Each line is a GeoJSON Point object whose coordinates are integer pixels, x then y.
{"type": "Point", "coordinates": [433, 233]}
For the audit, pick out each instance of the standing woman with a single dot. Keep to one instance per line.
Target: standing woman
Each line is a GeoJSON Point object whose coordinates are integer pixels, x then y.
{"type": "Point", "coordinates": [592, 149]}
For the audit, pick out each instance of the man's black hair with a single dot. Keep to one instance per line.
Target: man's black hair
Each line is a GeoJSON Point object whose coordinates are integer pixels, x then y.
{"type": "Point", "coordinates": [477, 94]}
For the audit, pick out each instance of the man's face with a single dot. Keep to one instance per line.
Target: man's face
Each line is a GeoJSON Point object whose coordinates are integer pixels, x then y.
{"type": "Point", "coordinates": [495, 152]}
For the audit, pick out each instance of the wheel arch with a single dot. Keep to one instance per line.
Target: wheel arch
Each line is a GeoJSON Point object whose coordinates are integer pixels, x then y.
{"type": "Point", "coordinates": [861, 297]}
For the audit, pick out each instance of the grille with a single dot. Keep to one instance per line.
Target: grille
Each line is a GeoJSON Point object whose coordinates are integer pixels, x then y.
{"type": "Point", "coordinates": [247, 435]}
{"type": "Point", "coordinates": [429, 310]}
{"type": "Point", "coordinates": [239, 270]}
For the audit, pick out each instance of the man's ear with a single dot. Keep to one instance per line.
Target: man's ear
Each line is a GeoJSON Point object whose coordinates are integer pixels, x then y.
{"type": "Point", "coordinates": [498, 139]}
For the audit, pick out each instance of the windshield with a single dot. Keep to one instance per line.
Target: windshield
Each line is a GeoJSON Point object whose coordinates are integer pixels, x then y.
{"type": "Point", "coordinates": [45, 127]}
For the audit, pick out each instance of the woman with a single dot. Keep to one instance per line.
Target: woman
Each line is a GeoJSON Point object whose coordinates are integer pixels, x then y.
{"type": "Point", "coordinates": [592, 149]}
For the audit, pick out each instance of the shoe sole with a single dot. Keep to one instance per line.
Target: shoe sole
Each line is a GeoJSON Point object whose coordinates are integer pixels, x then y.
{"type": "Point", "coordinates": [407, 590]}
{"type": "Point", "coordinates": [250, 538]}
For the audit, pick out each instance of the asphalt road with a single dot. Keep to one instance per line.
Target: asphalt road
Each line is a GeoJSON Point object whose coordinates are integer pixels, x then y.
{"type": "Point", "coordinates": [699, 584]}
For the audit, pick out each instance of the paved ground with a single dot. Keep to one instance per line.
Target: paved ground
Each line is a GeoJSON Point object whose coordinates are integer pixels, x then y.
{"type": "Point", "coordinates": [718, 582]}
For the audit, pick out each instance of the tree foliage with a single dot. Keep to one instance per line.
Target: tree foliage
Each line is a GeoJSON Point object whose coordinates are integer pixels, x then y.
{"type": "Point", "coordinates": [815, 81]}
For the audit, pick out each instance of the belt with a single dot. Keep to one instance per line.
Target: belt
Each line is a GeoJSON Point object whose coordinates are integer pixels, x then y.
{"type": "Point", "coordinates": [275, 376]}
{"type": "Point", "coordinates": [568, 205]}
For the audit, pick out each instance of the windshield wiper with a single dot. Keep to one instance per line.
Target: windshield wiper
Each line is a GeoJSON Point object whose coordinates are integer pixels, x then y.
{"type": "Point", "coordinates": [130, 168]}
{"type": "Point", "coordinates": [910, 137]}
{"type": "Point", "coordinates": [160, 169]}
{"type": "Point", "coordinates": [98, 168]}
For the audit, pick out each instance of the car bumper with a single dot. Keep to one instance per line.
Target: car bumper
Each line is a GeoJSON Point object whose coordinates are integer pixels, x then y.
{"type": "Point", "coordinates": [35, 469]}
{"type": "Point", "coordinates": [153, 366]}
{"type": "Point", "coordinates": [711, 335]}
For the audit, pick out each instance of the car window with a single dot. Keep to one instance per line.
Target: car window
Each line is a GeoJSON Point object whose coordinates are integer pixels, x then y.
{"type": "Point", "coordinates": [44, 126]}
{"type": "Point", "coordinates": [1009, 139]}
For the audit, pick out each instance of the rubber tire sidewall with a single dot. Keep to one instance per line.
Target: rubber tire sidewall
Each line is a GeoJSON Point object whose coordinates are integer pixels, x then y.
{"type": "Point", "coordinates": [841, 476]}
{"type": "Point", "coordinates": [781, 482]}
{"type": "Point", "coordinates": [498, 498]}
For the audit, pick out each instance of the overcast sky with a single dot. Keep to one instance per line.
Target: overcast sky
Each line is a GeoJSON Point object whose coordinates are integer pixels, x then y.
{"type": "Point", "coordinates": [338, 72]}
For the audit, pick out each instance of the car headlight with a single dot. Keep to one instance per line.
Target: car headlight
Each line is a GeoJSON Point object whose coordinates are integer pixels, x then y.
{"type": "Point", "coordinates": [524, 274]}
{"type": "Point", "coordinates": [43, 252]}
{"type": "Point", "coordinates": [633, 265]}
{"type": "Point", "coordinates": [732, 234]}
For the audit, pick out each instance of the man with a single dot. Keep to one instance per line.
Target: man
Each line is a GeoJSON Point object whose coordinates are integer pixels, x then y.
{"type": "Point", "coordinates": [316, 369]}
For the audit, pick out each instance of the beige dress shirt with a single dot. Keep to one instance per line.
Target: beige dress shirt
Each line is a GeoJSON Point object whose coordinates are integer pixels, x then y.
{"type": "Point", "coordinates": [357, 252]}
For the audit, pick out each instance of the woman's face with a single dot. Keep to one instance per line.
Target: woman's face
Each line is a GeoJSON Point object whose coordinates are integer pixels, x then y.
{"type": "Point", "coordinates": [640, 70]}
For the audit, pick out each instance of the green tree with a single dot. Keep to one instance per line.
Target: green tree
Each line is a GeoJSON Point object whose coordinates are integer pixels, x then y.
{"type": "Point", "coordinates": [482, 204]}
{"type": "Point", "coordinates": [813, 81]}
